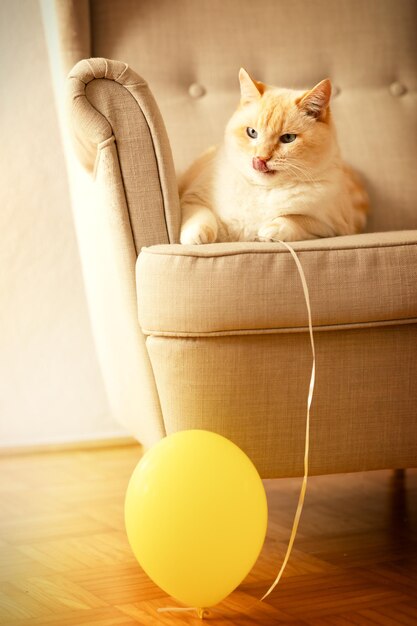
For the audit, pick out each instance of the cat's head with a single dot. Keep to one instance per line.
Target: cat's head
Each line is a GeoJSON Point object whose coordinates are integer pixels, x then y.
{"type": "Point", "coordinates": [281, 134]}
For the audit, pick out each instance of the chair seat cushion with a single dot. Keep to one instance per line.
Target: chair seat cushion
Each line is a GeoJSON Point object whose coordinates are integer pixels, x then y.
{"type": "Point", "coordinates": [246, 288]}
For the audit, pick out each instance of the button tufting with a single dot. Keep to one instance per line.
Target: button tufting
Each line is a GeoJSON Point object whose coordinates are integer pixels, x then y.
{"type": "Point", "coordinates": [196, 91]}
{"type": "Point", "coordinates": [336, 91]}
{"type": "Point", "coordinates": [397, 89]}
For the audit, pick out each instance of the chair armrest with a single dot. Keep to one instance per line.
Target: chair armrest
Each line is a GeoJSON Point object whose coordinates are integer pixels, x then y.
{"type": "Point", "coordinates": [131, 200]}
{"type": "Point", "coordinates": [108, 102]}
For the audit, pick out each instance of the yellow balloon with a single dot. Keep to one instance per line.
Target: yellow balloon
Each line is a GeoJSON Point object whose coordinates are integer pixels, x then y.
{"type": "Point", "coordinates": [196, 516]}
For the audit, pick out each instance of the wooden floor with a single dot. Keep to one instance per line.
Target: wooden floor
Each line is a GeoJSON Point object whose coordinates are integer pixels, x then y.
{"type": "Point", "coordinates": [65, 561]}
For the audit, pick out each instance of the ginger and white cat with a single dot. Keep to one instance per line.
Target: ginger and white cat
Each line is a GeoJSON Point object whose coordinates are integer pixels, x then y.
{"type": "Point", "coordinates": [278, 174]}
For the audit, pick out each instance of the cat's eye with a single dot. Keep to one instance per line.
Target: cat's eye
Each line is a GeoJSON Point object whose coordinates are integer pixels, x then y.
{"type": "Point", "coordinates": [251, 132]}
{"type": "Point", "coordinates": [288, 138]}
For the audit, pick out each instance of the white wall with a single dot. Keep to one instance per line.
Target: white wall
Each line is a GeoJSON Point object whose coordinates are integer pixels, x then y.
{"type": "Point", "coordinates": [50, 385]}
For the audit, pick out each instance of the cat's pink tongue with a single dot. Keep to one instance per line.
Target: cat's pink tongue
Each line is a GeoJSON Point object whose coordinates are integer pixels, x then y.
{"type": "Point", "coordinates": [259, 164]}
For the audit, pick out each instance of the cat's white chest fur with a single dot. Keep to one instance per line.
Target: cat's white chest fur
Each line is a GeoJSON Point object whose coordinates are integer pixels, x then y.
{"type": "Point", "coordinates": [243, 208]}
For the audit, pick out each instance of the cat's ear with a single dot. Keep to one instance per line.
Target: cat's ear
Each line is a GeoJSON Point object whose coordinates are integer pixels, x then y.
{"type": "Point", "coordinates": [316, 101]}
{"type": "Point", "coordinates": [250, 90]}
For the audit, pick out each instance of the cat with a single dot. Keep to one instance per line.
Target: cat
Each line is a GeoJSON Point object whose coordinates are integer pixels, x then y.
{"type": "Point", "coordinates": [278, 175]}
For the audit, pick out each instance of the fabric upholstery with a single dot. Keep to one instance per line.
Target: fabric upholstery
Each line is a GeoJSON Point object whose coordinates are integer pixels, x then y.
{"type": "Point", "coordinates": [253, 389]}
{"type": "Point", "coordinates": [242, 288]}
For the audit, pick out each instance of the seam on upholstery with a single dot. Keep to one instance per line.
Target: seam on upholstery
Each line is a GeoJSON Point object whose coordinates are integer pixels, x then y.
{"type": "Point", "coordinates": [279, 331]}
{"type": "Point", "coordinates": [100, 147]}
{"type": "Point", "coordinates": [141, 84]}
{"type": "Point", "coordinates": [121, 73]}
{"type": "Point", "coordinates": [73, 76]}
{"type": "Point", "coordinates": [149, 250]}
{"type": "Point", "coordinates": [92, 71]}
{"type": "Point", "coordinates": [106, 142]}
{"type": "Point", "coordinates": [96, 162]}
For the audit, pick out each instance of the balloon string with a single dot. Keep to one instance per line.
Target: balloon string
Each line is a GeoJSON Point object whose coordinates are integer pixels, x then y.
{"type": "Point", "coordinates": [307, 435]}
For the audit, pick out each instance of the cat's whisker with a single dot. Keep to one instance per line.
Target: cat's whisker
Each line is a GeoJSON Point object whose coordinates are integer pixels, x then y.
{"type": "Point", "coordinates": [291, 161]}
{"type": "Point", "coordinates": [305, 173]}
{"type": "Point", "coordinates": [295, 168]}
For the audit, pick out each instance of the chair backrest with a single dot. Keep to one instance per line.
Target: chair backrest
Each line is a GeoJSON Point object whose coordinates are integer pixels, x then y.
{"type": "Point", "coordinates": [190, 52]}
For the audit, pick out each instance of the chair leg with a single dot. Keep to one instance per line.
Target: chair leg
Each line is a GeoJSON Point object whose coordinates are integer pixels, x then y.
{"type": "Point", "coordinates": [399, 474]}
{"type": "Point", "coordinates": [398, 510]}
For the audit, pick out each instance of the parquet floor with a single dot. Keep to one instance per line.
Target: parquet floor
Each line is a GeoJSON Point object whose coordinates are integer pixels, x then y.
{"type": "Point", "coordinates": [65, 561]}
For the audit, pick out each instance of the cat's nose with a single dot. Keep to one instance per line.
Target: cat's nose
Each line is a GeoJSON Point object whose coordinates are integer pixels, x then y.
{"type": "Point", "coordinates": [259, 164]}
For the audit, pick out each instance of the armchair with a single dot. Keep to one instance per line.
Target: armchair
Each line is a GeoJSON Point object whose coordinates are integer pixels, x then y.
{"type": "Point", "coordinates": [215, 336]}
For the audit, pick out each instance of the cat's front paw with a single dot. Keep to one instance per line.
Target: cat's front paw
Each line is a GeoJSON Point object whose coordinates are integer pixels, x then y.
{"type": "Point", "coordinates": [279, 229]}
{"type": "Point", "coordinates": [194, 233]}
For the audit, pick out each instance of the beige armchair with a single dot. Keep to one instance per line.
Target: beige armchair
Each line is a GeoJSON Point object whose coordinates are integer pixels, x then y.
{"type": "Point", "coordinates": [214, 336]}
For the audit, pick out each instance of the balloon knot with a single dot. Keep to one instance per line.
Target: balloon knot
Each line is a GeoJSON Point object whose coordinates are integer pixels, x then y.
{"type": "Point", "coordinates": [202, 613]}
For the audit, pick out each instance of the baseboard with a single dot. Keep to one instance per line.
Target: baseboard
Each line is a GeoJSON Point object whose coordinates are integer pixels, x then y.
{"type": "Point", "coordinates": [67, 446]}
